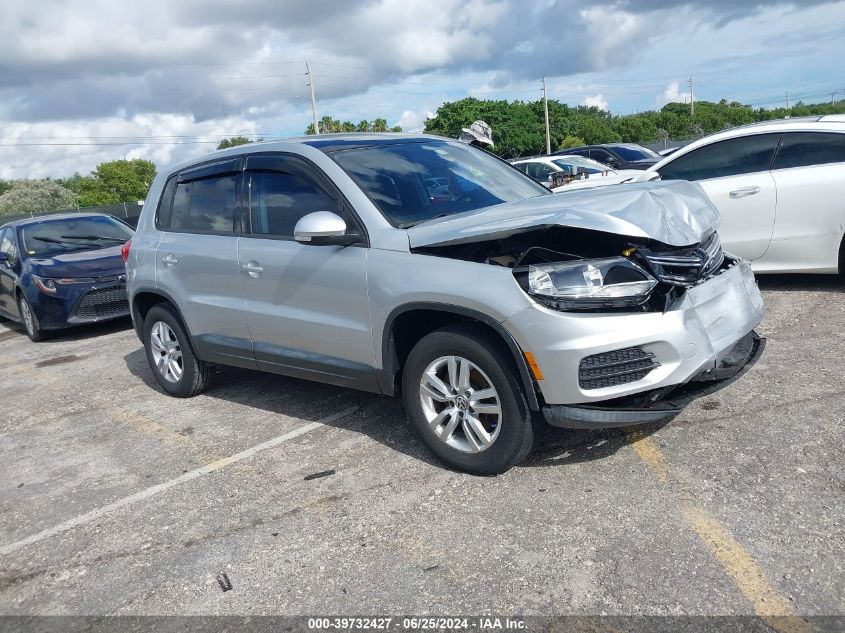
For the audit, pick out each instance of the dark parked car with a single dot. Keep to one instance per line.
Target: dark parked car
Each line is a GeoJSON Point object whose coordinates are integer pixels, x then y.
{"type": "Point", "coordinates": [617, 155]}
{"type": "Point", "coordinates": [63, 270]}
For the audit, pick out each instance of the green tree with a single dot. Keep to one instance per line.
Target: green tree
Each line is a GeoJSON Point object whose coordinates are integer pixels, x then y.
{"type": "Point", "coordinates": [33, 196]}
{"type": "Point", "coordinates": [117, 181]}
{"type": "Point", "coordinates": [570, 141]}
{"type": "Point", "coordinates": [233, 141]}
{"type": "Point", "coordinates": [4, 186]}
{"type": "Point", "coordinates": [329, 125]}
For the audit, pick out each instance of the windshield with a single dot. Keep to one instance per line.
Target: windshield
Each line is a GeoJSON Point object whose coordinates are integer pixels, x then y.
{"type": "Point", "coordinates": [414, 182]}
{"type": "Point", "coordinates": [568, 163]}
{"type": "Point", "coordinates": [52, 237]}
{"type": "Point", "coordinates": [634, 153]}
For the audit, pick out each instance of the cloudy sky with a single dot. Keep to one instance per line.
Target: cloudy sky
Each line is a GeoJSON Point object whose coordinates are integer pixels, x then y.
{"type": "Point", "coordinates": [93, 80]}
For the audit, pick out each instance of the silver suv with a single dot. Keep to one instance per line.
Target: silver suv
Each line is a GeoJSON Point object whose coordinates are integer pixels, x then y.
{"type": "Point", "coordinates": [488, 302]}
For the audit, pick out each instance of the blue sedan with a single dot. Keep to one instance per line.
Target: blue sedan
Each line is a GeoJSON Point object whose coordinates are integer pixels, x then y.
{"type": "Point", "coordinates": [63, 270]}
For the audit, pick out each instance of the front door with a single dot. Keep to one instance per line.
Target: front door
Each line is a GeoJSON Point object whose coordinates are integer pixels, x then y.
{"type": "Point", "coordinates": [306, 305]}
{"type": "Point", "coordinates": [735, 175]}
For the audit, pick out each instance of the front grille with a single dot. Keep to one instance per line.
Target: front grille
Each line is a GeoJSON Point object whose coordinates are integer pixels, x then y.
{"type": "Point", "coordinates": [103, 303]}
{"type": "Point", "coordinates": [687, 266]}
{"type": "Point", "coordinates": [614, 368]}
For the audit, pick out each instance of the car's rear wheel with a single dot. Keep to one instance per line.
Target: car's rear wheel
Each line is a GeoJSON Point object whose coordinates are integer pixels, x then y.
{"type": "Point", "coordinates": [30, 321]}
{"type": "Point", "coordinates": [461, 394]}
{"type": "Point", "coordinates": [172, 361]}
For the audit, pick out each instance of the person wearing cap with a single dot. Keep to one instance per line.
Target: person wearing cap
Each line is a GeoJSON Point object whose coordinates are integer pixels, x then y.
{"type": "Point", "coordinates": [465, 190]}
{"type": "Point", "coordinates": [478, 134]}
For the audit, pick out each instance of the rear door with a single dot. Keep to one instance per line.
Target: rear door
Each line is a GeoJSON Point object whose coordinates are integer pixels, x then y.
{"type": "Point", "coordinates": [735, 175]}
{"type": "Point", "coordinates": [197, 259]}
{"type": "Point", "coordinates": [809, 172]}
{"type": "Point", "coordinates": [306, 305]}
{"type": "Point", "coordinates": [8, 274]}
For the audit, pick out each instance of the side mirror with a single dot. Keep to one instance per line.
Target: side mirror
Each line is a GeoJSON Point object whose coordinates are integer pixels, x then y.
{"type": "Point", "coordinates": [322, 228]}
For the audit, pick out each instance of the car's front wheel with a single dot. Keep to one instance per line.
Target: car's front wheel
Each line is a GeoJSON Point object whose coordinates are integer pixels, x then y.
{"type": "Point", "coordinates": [462, 395]}
{"type": "Point", "coordinates": [30, 321]}
{"type": "Point", "coordinates": [174, 365]}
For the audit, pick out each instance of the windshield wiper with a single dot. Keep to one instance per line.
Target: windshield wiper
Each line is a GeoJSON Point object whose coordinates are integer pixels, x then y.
{"type": "Point", "coordinates": [51, 240]}
{"type": "Point", "coordinates": [92, 237]}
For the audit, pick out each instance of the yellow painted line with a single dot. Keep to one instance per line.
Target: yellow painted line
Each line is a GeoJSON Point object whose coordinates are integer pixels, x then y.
{"type": "Point", "coordinates": [768, 605]}
{"type": "Point", "coordinates": [648, 451]}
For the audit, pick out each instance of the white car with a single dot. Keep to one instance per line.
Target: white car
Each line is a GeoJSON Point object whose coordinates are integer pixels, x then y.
{"type": "Point", "coordinates": [591, 173]}
{"type": "Point", "coordinates": [780, 188]}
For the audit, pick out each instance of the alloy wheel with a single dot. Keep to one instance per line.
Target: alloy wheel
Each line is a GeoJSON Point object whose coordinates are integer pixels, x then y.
{"type": "Point", "coordinates": [460, 404]}
{"type": "Point", "coordinates": [167, 353]}
{"type": "Point", "coordinates": [28, 320]}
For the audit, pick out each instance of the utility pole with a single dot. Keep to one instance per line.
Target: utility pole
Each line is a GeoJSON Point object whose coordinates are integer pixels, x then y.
{"type": "Point", "coordinates": [787, 100]}
{"type": "Point", "coordinates": [691, 99]}
{"type": "Point", "coordinates": [833, 97]}
{"type": "Point", "coordinates": [313, 98]}
{"type": "Point", "coordinates": [546, 115]}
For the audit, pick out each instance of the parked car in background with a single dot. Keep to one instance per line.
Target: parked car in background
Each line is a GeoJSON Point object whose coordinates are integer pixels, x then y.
{"type": "Point", "coordinates": [326, 258]}
{"type": "Point", "coordinates": [576, 171]}
{"type": "Point", "coordinates": [668, 151]}
{"type": "Point", "coordinates": [58, 271]}
{"type": "Point", "coordinates": [780, 188]}
{"type": "Point", "coordinates": [616, 155]}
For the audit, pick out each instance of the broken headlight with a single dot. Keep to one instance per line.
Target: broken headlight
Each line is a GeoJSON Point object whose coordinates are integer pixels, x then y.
{"type": "Point", "coordinates": [615, 282]}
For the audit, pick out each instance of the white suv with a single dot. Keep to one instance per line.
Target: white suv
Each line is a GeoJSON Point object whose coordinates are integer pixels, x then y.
{"type": "Point", "coordinates": [780, 188]}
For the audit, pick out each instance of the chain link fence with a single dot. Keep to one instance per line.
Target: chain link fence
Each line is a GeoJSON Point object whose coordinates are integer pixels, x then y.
{"type": "Point", "coordinates": [129, 212]}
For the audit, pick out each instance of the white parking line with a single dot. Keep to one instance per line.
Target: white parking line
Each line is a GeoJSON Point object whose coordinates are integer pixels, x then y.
{"type": "Point", "coordinates": [93, 515]}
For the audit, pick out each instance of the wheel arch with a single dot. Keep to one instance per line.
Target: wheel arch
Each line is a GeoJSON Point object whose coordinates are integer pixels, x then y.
{"type": "Point", "coordinates": [408, 323]}
{"type": "Point", "coordinates": [144, 299]}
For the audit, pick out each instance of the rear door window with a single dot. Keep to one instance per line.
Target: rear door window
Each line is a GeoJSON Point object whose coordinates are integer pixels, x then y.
{"type": "Point", "coordinates": [203, 200]}
{"type": "Point", "coordinates": [732, 157]}
{"type": "Point", "coordinates": [802, 149]}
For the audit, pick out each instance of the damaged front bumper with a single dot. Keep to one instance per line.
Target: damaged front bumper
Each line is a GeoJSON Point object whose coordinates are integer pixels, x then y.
{"type": "Point", "coordinates": [611, 369]}
{"type": "Point", "coordinates": [659, 405]}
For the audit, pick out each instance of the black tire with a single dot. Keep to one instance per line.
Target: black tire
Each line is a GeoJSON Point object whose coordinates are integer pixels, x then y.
{"type": "Point", "coordinates": [196, 374]}
{"type": "Point", "coordinates": [516, 435]}
{"type": "Point", "coordinates": [30, 325]}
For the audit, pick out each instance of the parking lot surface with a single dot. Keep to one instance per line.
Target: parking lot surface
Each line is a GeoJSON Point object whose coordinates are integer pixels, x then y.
{"type": "Point", "coordinates": [117, 499]}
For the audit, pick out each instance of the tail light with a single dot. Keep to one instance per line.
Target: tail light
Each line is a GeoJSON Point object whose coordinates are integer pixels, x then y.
{"type": "Point", "coordinates": [124, 250]}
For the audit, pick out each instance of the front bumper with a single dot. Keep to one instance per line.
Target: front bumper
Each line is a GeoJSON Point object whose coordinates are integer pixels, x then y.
{"type": "Point", "coordinates": [78, 304]}
{"type": "Point", "coordinates": [691, 338]}
{"type": "Point", "coordinates": [663, 404]}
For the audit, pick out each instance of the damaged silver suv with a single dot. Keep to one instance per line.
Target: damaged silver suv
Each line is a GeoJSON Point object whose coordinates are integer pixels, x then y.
{"type": "Point", "coordinates": [487, 302]}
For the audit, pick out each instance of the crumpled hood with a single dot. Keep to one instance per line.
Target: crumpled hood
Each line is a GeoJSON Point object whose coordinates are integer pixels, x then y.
{"type": "Point", "coordinates": [676, 213]}
{"type": "Point", "coordinates": [95, 263]}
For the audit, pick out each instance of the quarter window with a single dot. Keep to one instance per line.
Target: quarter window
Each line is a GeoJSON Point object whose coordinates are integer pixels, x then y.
{"type": "Point", "coordinates": [742, 155]}
{"type": "Point", "coordinates": [278, 199]}
{"type": "Point", "coordinates": [801, 149]}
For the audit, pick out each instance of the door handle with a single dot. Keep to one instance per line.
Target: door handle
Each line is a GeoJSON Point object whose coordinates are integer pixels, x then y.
{"type": "Point", "coordinates": [169, 260]}
{"type": "Point", "coordinates": [743, 192]}
{"type": "Point", "coordinates": [253, 269]}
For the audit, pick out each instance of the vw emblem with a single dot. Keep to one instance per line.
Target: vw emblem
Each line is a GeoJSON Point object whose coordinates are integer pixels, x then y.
{"type": "Point", "coordinates": [461, 403]}
{"type": "Point", "coordinates": [122, 279]}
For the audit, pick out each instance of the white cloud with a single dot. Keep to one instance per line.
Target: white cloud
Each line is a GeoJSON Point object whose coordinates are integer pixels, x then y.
{"type": "Point", "coordinates": [61, 148]}
{"type": "Point", "coordinates": [413, 121]}
{"type": "Point", "coordinates": [596, 101]}
{"type": "Point", "coordinates": [673, 94]}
